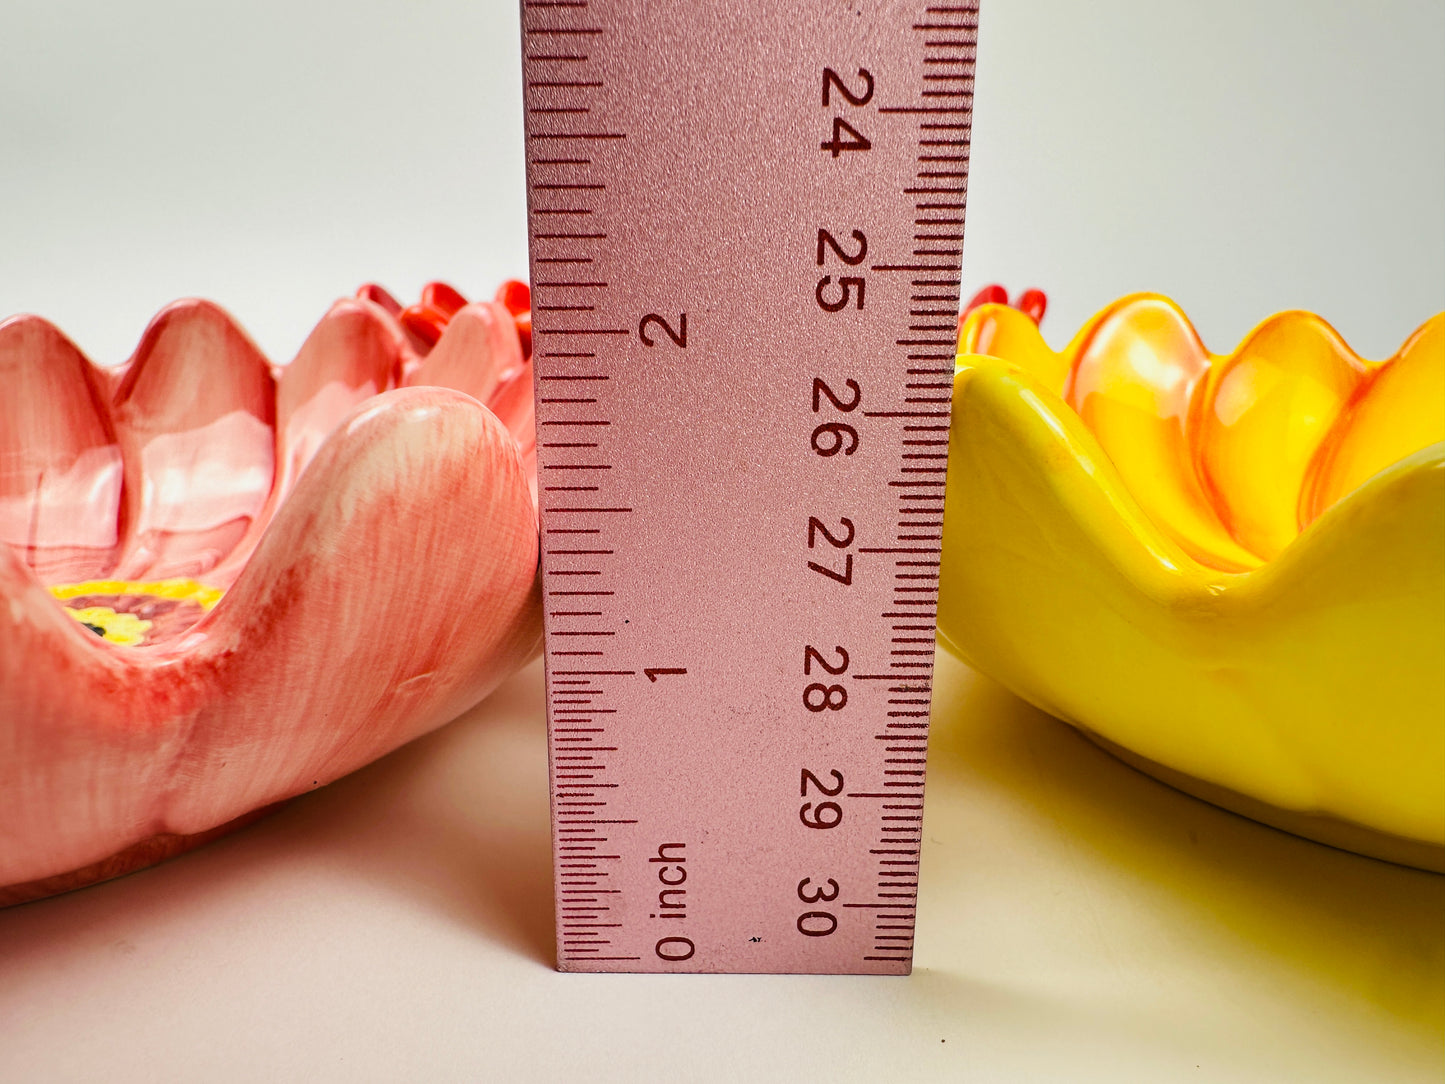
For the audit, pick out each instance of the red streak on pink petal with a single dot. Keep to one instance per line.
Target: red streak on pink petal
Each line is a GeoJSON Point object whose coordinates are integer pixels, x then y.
{"type": "Point", "coordinates": [351, 355]}
{"type": "Point", "coordinates": [60, 463]}
{"type": "Point", "coordinates": [478, 348]}
{"type": "Point", "coordinates": [424, 325]}
{"type": "Point", "coordinates": [195, 416]}
{"type": "Point", "coordinates": [378, 296]}
{"type": "Point", "coordinates": [514, 404]}
{"type": "Point", "coordinates": [524, 331]}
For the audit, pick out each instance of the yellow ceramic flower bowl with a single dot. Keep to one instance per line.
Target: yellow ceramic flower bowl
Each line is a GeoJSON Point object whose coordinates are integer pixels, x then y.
{"type": "Point", "coordinates": [1229, 570]}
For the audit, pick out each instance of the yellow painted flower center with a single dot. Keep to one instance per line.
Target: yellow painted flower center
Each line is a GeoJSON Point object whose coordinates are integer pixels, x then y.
{"type": "Point", "coordinates": [126, 612]}
{"type": "Point", "coordinates": [118, 628]}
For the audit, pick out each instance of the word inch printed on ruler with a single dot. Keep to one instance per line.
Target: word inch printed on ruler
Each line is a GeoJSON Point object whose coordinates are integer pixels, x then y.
{"type": "Point", "coordinates": [746, 233]}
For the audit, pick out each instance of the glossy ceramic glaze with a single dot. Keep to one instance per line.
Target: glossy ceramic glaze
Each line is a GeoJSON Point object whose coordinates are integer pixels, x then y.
{"type": "Point", "coordinates": [1228, 568]}
{"type": "Point", "coordinates": [223, 583]}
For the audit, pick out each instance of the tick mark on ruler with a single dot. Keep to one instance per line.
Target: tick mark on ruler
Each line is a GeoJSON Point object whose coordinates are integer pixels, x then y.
{"type": "Point", "coordinates": [585, 136]}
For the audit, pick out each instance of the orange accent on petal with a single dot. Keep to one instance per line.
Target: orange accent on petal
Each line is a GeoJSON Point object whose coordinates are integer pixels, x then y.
{"type": "Point", "coordinates": [443, 298]}
{"type": "Point", "coordinates": [1033, 304]}
{"type": "Point", "coordinates": [1137, 366]}
{"type": "Point", "coordinates": [424, 325]}
{"type": "Point", "coordinates": [1400, 409]}
{"type": "Point", "coordinates": [1261, 419]}
{"type": "Point", "coordinates": [992, 294]}
{"type": "Point", "coordinates": [515, 295]}
{"type": "Point", "coordinates": [1001, 331]}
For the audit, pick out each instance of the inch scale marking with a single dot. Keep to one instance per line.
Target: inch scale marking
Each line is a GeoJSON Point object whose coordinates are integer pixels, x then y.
{"type": "Point", "coordinates": [746, 229]}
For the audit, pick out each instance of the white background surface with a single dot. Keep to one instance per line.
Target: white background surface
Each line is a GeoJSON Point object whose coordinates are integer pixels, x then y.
{"type": "Point", "coordinates": [1077, 920]}
{"type": "Point", "coordinates": [1243, 156]}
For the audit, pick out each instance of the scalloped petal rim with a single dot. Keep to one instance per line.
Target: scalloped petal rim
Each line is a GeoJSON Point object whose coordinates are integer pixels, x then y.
{"type": "Point", "coordinates": [378, 543]}
{"type": "Point", "coordinates": [1313, 684]}
{"type": "Point", "coordinates": [1231, 455]}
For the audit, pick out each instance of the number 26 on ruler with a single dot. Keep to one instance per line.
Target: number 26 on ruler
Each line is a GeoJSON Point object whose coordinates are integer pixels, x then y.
{"type": "Point", "coordinates": [832, 438]}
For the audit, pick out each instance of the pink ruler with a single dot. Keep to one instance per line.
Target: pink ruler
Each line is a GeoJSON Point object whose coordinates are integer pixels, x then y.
{"type": "Point", "coordinates": [746, 231]}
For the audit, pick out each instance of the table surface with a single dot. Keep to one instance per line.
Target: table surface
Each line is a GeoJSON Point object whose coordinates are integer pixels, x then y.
{"type": "Point", "coordinates": [1077, 921]}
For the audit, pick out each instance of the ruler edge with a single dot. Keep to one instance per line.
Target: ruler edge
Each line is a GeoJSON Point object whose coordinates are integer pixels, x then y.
{"type": "Point", "coordinates": [969, 8]}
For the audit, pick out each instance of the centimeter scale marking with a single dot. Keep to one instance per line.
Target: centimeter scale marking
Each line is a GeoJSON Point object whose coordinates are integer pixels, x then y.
{"type": "Point", "coordinates": [746, 234]}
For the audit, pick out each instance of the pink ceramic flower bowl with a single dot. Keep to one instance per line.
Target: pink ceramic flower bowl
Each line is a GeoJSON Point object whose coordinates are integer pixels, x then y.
{"type": "Point", "coordinates": [223, 583]}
